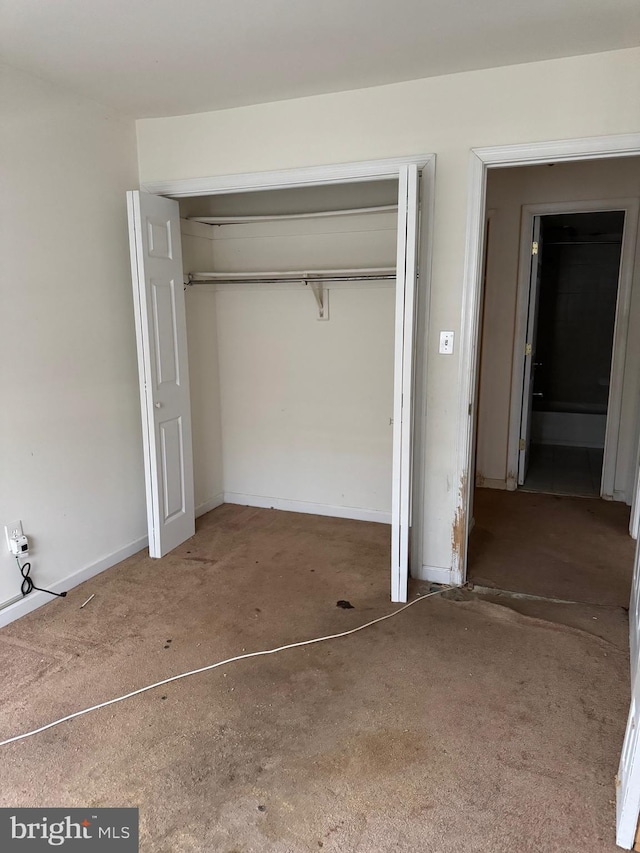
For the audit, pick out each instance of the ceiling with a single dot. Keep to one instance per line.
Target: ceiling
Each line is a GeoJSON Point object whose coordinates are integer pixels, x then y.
{"type": "Point", "coordinates": [171, 57]}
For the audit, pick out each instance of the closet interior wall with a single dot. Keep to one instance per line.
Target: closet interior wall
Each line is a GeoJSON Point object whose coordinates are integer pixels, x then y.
{"type": "Point", "coordinates": [288, 410]}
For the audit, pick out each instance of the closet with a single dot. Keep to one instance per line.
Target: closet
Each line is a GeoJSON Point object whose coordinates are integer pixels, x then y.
{"type": "Point", "coordinates": [295, 394]}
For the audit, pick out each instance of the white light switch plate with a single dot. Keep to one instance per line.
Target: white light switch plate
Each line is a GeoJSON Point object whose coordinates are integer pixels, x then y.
{"type": "Point", "coordinates": [446, 343]}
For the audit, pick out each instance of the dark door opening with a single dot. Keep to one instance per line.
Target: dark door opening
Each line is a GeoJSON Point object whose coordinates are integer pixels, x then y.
{"type": "Point", "coordinates": [577, 278]}
{"type": "Point", "coordinates": [548, 534]}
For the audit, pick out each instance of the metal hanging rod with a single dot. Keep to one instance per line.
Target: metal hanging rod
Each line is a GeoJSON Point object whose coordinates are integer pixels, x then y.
{"type": "Point", "coordinates": [314, 279]}
{"type": "Point", "coordinates": [271, 277]}
{"type": "Point", "coordinates": [276, 217]}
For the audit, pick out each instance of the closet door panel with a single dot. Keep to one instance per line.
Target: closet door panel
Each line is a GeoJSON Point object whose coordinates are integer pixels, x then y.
{"type": "Point", "coordinates": [161, 333]}
{"type": "Point", "coordinates": [406, 279]}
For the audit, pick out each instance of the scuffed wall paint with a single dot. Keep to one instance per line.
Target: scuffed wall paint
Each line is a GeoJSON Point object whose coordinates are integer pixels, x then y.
{"type": "Point", "coordinates": [459, 527]}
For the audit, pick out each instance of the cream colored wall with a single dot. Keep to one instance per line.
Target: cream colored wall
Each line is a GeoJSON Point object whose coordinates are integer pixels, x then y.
{"type": "Point", "coordinates": [288, 410]}
{"type": "Point", "coordinates": [70, 427]}
{"type": "Point", "coordinates": [204, 373]}
{"type": "Point", "coordinates": [579, 96]}
{"type": "Point", "coordinates": [507, 191]}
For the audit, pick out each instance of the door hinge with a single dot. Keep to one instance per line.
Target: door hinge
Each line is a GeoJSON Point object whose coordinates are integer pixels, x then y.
{"type": "Point", "coordinates": [534, 247]}
{"type": "Point", "coordinates": [522, 444]}
{"type": "Point", "coordinates": [528, 349]}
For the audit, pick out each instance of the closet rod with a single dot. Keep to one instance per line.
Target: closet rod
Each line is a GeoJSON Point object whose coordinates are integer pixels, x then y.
{"type": "Point", "coordinates": [383, 273]}
{"type": "Point", "coordinates": [275, 217]}
{"type": "Point", "coordinates": [193, 282]}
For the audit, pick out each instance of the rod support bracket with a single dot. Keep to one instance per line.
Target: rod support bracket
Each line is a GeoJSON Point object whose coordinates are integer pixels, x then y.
{"type": "Point", "coordinates": [321, 296]}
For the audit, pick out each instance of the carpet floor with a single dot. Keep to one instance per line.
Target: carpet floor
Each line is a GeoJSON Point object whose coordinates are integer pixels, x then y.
{"type": "Point", "coordinates": [458, 725]}
{"type": "Point", "coordinates": [577, 549]}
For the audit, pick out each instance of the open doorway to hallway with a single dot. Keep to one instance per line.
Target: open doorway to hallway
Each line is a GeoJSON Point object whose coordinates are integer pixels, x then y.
{"type": "Point", "coordinates": [540, 541]}
{"type": "Point", "coordinates": [559, 379]}
{"type": "Point", "coordinates": [573, 294]}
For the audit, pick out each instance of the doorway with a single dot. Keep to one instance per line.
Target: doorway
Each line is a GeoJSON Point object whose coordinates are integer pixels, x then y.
{"type": "Point", "coordinates": [551, 309]}
{"type": "Point", "coordinates": [575, 541]}
{"type": "Point", "coordinates": [573, 290]}
{"type": "Point", "coordinates": [583, 313]}
{"type": "Point", "coordinates": [162, 338]}
{"type": "Point", "coordinates": [556, 411]}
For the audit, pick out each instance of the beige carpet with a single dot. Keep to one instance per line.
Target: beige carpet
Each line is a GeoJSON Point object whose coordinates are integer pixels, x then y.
{"type": "Point", "coordinates": [455, 726]}
{"type": "Point", "coordinates": [550, 545]}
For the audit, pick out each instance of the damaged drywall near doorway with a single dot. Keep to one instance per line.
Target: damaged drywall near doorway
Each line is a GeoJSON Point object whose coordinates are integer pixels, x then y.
{"type": "Point", "coordinates": [459, 527]}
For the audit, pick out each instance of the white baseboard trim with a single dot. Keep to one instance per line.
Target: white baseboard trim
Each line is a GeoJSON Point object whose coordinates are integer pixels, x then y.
{"type": "Point", "coordinates": [308, 507]}
{"type": "Point", "coordinates": [207, 506]}
{"type": "Point", "coordinates": [11, 612]}
{"type": "Point", "coordinates": [14, 610]}
{"type": "Point", "coordinates": [490, 483]}
{"type": "Point", "coordinates": [620, 496]}
{"type": "Point", "coordinates": [436, 574]}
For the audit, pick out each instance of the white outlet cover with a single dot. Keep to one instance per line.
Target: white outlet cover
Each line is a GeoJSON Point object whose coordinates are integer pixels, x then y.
{"type": "Point", "coordinates": [13, 528]}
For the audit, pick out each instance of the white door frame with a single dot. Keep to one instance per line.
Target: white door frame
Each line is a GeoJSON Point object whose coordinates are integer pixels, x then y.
{"type": "Point", "coordinates": [353, 173]}
{"type": "Point", "coordinates": [282, 179]}
{"type": "Point", "coordinates": [481, 159]}
{"type": "Point", "coordinates": [630, 207]}
{"type": "Point", "coordinates": [628, 776]}
{"type": "Point", "coordinates": [529, 355]}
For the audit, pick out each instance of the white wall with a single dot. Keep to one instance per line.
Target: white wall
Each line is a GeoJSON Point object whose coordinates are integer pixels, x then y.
{"type": "Point", "coordinates": [70, 428]}
{"type": "Point", "coordinates": [204, 371]}
{"type": "Point", "coordinates": [288, 410]}
{"type": "Point", "coordinates": [507, 191]}
{"type": "Point", "coordinates": [573, 97]}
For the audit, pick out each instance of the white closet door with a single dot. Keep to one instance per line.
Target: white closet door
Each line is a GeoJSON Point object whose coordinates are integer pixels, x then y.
{"type": "Point", "coordinates": [161, 332]}
{"type": "Point", "coordinates": [628, 779]}
{"type": "Point", "coordinates": [406, 275]}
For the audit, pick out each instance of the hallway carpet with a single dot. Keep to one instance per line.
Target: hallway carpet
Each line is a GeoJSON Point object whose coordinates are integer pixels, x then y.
{"type": "Point", "coordinates": [577, 549]}
{"type": "Point", "coordinates": [458, 725]}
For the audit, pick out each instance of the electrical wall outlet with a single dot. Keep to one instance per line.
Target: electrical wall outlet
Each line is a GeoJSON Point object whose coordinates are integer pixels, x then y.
{"type": "Point", "coordinates": [12, 531]}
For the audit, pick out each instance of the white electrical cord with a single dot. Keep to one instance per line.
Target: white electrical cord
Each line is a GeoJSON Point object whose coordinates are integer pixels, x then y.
{"type": "Point", "coordinates": [215, 665]}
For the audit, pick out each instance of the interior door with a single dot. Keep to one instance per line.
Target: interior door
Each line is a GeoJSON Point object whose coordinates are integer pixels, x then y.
{"type": "Point", "coordinates": [634, 520]}
{"type": "Point", "coordinates": [628, 778]}
{"type": "Point", "coordinates": [161, 333]}
{"type": "Point", "coordinates": [406, 276]}
{"type": "Point", "coordinates": [530, 351]}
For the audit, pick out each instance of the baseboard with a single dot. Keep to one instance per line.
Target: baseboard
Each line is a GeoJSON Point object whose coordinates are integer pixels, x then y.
{"type": "Point", "coordinates": [308, 507]}
{"type": "Point", "coordinates": [207, 506]}
{"type": "Point", "coordinates": [14, 610]}
{"type": "Point", "coordinates": [435, 574]}
{"type": "Point", "coordinates": [11, 612]}
{"type": "Point", "coordinates": [490, 483]}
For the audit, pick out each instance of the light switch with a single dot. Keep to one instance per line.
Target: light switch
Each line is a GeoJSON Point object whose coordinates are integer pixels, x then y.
{"type": "Point", "coordinates": [446, 343]}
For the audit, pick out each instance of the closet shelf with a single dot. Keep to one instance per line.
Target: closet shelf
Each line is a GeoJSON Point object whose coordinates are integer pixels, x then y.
{"type": "Point", "coordinates": [361, 274]}
{"type": "Point", "coordinates": [278, 217]}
